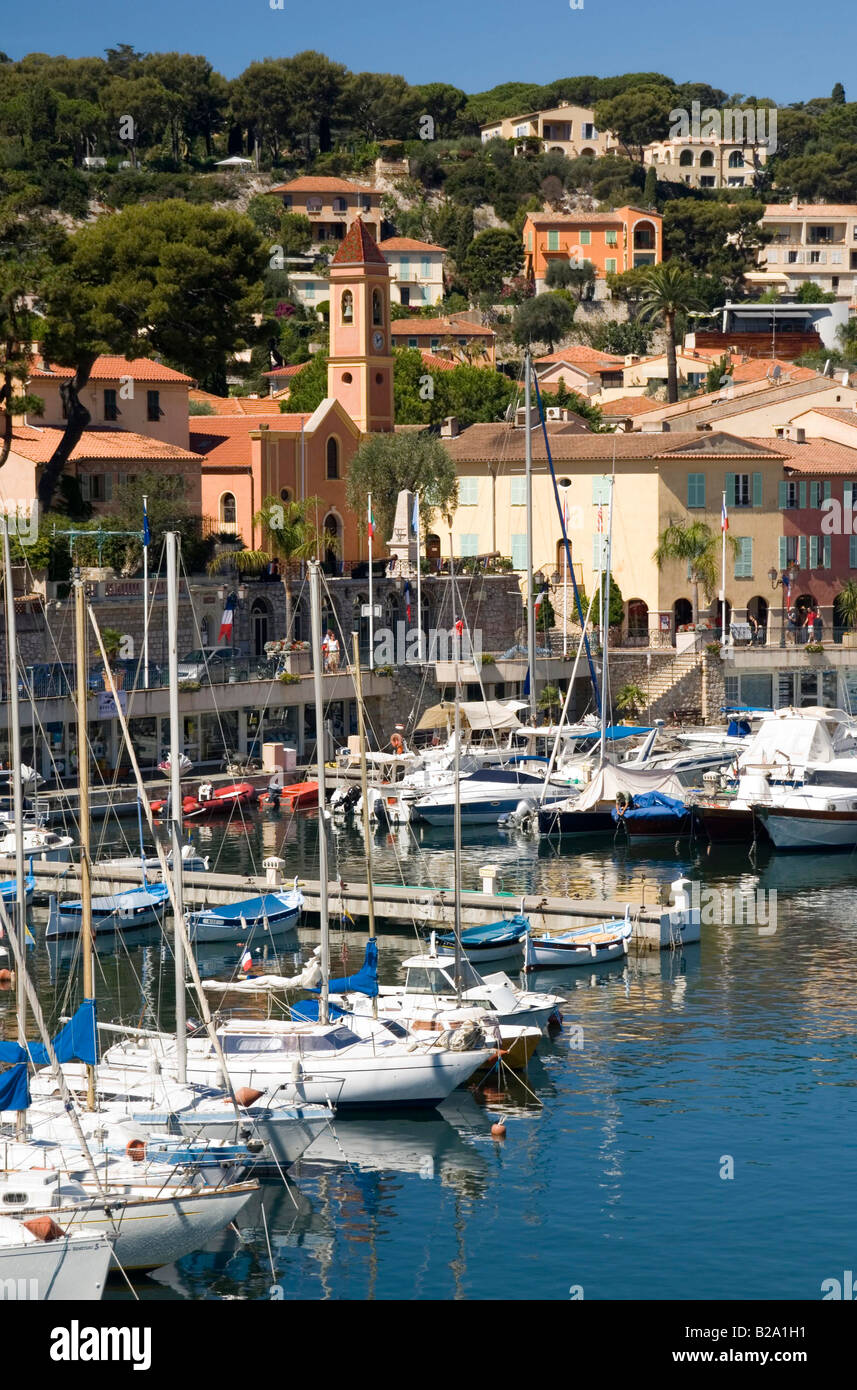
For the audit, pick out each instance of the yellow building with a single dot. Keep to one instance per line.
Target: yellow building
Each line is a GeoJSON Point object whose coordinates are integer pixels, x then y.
{"type": "Point", "coordinates": [659, 478]}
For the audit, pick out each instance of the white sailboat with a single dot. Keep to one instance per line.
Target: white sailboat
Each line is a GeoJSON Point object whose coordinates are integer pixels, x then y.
{"type": "Point", "coordinates": [39, 1261]}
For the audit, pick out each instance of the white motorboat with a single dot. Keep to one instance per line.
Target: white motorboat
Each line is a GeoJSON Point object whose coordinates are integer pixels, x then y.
{"type": "Point", "coordinates": [40, 1262]}
{"type": "Point", "coordinates": [591, 945]}
{"type": "Point", "coordinates": [429, 990]}
{"type": "Point", "coordinates": [486, 795]}
{"type": "Point", "coordinates": [812, 819]}
{"type": "Point", "coordinates": [47, 846]}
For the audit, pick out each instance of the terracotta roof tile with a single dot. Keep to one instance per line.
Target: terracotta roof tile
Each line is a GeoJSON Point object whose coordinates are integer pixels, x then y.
{"type": "Point", "coordinates": [407, 243]}
{"type": "Point", "coordinates": [438, 328]}
{"type": "Point", "coordinates": [358, 246]}
{"type": "Point", "coordinates": [286, 373]}
{"type": "Point", "coordinates": [38, 443]}
{"type": "Point", "coordinates": [629, 405]}
{"type": "Point", "coordinates": [235, 405]}
{"type": "Point", "coordinates": [110, 368]}
{"type": "Point", "coordinates": [321, 183]}
{"type": "Point", "coordinates": [811, 210]}
{"type": "Point", "coordinates": [225, 442]}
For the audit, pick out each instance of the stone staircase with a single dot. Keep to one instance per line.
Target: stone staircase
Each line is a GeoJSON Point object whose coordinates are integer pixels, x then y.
{"type": "Point", "coordinates": [676, 685]}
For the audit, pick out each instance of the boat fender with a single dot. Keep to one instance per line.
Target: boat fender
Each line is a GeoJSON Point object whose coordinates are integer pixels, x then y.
{"type": "Point", "coordinates": [44, 1228]}
{"type": "Point", "coordinates": [135, 1149]}
{"type": "Point", "coordinates": [498, 1131]}
{"type": "Point", "coordinates": [246, 1095]}
{"type": "Point", "coordinates": [7, 977]}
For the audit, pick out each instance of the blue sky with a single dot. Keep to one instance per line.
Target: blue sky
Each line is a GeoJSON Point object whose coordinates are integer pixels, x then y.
{"type": "Point", "coordinates": [756, 49]}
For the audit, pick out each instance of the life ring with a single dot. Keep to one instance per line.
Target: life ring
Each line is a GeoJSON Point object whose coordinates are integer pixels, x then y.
{"type": "Point", "coordinates": [135, 1149]}
{"type": "Point", "coordinates": [396, 743]}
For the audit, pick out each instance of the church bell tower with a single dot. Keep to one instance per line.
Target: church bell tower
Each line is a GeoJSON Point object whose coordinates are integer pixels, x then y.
{"type": "Point", "coordinates": [360, 364]}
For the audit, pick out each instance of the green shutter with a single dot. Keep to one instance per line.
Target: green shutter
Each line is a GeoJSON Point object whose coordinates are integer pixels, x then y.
{"type": "Point", "coordinates": [744, 558]}
{"type": "Point", "coordinates": [782, 496]}
{"type": "Point", "coordinates": [519, 551]}
{"type": "Point", "coordinates": [730, 489]}
{"type": "Point", "coordinates": [852, 552]}
{"type": "Point", "coordinates": [846, 496]}
{"type": "Point", "coordinates": [826, 490]}
{"type": "Point", "coordinates": [696, 489]}
{"type": "Point", "coordinates": [813, 552]}
{"type": "Point", "coordinates": [600, 489]}
{"type": "Point", "coordinates": [783, 553]}
{"type": "Point", "coordinates": [802, 495]}
{"type": "Point", "coordinates": [826, 552]}
{"type": "Point", "coordinates": [757, 489]}
{"type": "Point", "coordinates": [801, 552]}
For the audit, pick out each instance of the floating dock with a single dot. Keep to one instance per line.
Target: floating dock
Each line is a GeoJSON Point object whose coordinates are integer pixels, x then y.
{"type": "Point", "coordinates": [655, 927]}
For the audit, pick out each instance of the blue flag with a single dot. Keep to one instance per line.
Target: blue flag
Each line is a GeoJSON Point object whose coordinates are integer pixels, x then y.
{"type": "Point", "coordinates": [415, 515]}
{"type": "Point", "coordinates": [146, 534]}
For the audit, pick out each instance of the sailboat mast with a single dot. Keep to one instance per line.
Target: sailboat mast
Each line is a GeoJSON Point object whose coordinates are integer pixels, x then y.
{"type": "Point", "coordinates": [176, 798]}
{"type": "Point", "coordinates": [315, 614]}
{"type": "Point", "coordinates": [80, 646]}
{"type": "Point", "coordinates": [528, 472]}
{"type": "Point", "coordinates": [364, 791]}
{"type": "Point", "coordinates": [605, 628]}
{"type": "Point", "coordinates": [456, 822]}
{"type": "Point", "coordinates": [20, 915]}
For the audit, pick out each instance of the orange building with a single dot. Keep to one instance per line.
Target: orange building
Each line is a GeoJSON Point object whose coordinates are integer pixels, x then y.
{"type": "Point", "coordinates": [292, 456]}
{"type": "Point", "coordinates": [610, 241]}
{"type": "Point", "coordinates": [331, 204]}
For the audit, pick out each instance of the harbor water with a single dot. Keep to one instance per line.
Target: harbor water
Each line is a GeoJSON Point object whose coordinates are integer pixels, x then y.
{"type": "Point", "coordinates": [688, 1135]}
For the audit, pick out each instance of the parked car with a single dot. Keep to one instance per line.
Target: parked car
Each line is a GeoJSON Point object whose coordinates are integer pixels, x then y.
{"type": "Point", "coordinates": [205, 663]}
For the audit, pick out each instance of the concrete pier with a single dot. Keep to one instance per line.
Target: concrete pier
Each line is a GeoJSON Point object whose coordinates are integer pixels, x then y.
{"type": "Point", "coordinates": [395, 904]}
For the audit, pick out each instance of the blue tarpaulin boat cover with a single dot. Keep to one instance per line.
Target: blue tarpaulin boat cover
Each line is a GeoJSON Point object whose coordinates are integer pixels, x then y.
{"type": "Point", "coordinates": [14, 1091]}
{"type": "Point", "coordinates": [307, 1011]}
{"type": "Point", "coordinates": [364, 981]}
{"type": "Point", "coordinates": [510, 929]}
{"type": "Point", "coordinates": [77, 1042]}
{"type": "Point", "coordinates": [617, 731]}
{"type": "Point", "coordinates": [651, 806]}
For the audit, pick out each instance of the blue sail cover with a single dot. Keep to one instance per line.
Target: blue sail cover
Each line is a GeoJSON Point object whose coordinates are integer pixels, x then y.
{"type": "Point", "coordinates": [365, 981]}
{"type": "Point", "coordinates": [77, 1042]}
{"type": "Point", "coordinates": [499, 933]}
{"type": "Point", "coordinates": [14, 1091]}
{"type": "Point", "coordinates": [652, 806]}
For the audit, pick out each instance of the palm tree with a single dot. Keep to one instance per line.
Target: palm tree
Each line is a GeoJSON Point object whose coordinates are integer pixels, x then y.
{"type": "Point", "coordinates": [668, 289]}
{"type": "Point", "coordinates": [695, 545]}
{"type": "Point", "coordinates": [292, 533]}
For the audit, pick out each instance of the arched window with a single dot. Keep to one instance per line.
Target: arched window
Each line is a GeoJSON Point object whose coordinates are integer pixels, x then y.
{"type": "Point", "coordinates": [644, 236]}
{"type": "Point", "coordinates": [347, 307]}
{"type": "Point", "coordinates": [332, 457]}
{"type": "Point", "coordinates": [638, 621]}
{"type": "Point", "coordinates": [686, 157]}
{"type": "Point", "coordinates": [377, 307]}
{"type": "Point", "coordinates": [736, 160]}
{"type": "Point", "coordinates": [706, 159]}
{"type": "Point", "coordinates": [228, 512]}
{"type": "Point", "coordinates": [332, 545]}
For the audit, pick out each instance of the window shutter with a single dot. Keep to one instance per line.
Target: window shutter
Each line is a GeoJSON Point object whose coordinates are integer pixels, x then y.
{"type": "Point", "coordinates": [813, 552]}
{"type": "Point", "coordinates": [852, 552]}
{"type": "Point", "coordinates": [600, 489]}
{"type": "Point", "coordinates": [847, 495]}
{"type": "Point", "coordinates": [519, 551]}
{"type": "Point", "coordinates": [802, 494]}
{"type": "Point", "coordinates": [518, 494]}
{"type": "Point", "coordinates": [782, 496]}
{"type": "Point", "coordinates": [108, 487]}
{"type": "Point", "coordinates": [801, 552]}
{"type": "Point", "coordinates": [783, 553]}
{"type": "Point", "coordinates": [757, 489]}
{"type": "Point", "coordinates": [826, 552]}
{"type": "Point", "coordinates": [826, 490]}
{"type": "Point", "coordinates": [730, 489]}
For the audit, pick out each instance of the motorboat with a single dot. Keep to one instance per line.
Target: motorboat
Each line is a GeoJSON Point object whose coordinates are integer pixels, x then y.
{"type": "Point", "coordinates": [811, 819]}
{"type": "Point", "coordinates": [40, 1261]}
{"type": "Point", "coordinates": [150, 865]}
{"type": "Point", "coordinates": [486, 795]}
{"type": "Point", "coordinates": [211, 802]}
{"type": "Point", "coordinates": [46, 846]}
{"type": "Point", "coordinates": [497, 941]}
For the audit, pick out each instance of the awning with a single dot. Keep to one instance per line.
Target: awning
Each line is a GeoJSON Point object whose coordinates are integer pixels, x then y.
{"type": "Point", "coordinates": [478, 714]}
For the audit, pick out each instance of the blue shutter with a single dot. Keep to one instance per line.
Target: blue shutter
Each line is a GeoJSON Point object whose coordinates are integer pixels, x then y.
{"type": "Point", "coordinates": [783, 553]}
{"type": "Point", "coordinates": [757, 489]}
{"type": "Point", "coordinates": [468, 543]}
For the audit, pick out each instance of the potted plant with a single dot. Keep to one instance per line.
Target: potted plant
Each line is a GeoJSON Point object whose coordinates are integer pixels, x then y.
{"type": "Point", "coordinates": [631, 700]}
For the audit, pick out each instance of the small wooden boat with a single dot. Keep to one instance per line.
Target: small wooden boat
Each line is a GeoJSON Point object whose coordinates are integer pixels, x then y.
{"type": "Point", "coordinates": [116, 912]}
{"type": "Point", "coordinates": [271, 913]}
{"type": "Point", "coordinates": [602, 941]}
{"type": "Point", "coordinates": [9, 888]}
{"type": "Point", "coordinates": [497, 941]}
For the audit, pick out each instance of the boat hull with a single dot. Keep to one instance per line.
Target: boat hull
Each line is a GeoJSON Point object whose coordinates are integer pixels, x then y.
{"type": "Point", "coordinates": [567, 823]}
{"type": "Point", "coordinates": [71, 1269]}
{"type": "Point", "coordinates": [285, 1139]}
{"type": "Point", "coordinates": [800, 829]}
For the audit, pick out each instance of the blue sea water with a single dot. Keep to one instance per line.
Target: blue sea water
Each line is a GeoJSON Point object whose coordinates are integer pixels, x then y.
{"type": "Point", "coordinates": [698, 1141]}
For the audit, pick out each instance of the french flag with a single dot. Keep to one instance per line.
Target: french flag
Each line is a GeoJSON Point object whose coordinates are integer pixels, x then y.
{"type": "Point", "coordinates": [724, 516]}
{"type": "Point", "coordinates": [246, 962]}
{"type": "Point", "coordinates": [225, 633]}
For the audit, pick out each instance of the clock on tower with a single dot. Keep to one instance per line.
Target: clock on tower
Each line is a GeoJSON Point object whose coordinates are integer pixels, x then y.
{"type": "Point", "coordinates": [360, 364]}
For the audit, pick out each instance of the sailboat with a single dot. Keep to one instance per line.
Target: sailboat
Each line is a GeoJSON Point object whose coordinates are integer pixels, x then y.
{"type": "Point", "coordinates": [309, 1058]}
{"type": "Point", "coordinates": [39, 1260]}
